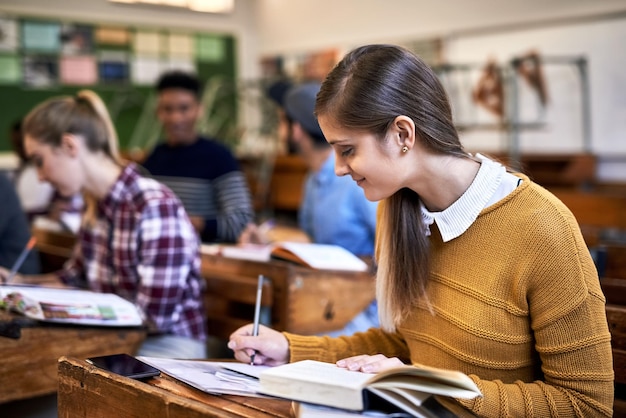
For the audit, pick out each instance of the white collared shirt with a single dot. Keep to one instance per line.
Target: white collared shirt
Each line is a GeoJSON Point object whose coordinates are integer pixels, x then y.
{"type": "Point", "coordinates": [491, 184]}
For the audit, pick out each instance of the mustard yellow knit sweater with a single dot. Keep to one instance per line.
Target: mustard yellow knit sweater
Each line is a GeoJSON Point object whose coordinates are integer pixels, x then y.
{"type": "Point", "coordinates": [516, 304]}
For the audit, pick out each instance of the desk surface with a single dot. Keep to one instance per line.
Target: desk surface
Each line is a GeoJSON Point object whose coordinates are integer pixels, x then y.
{"type": "Point", "coordinates": [28, 365]}
{"type": "Point", "coordinates": [85, 390]}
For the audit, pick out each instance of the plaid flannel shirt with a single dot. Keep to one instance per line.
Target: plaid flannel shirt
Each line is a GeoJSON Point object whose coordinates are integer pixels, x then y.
{"type": "Point", "coordinates": [143, 247]}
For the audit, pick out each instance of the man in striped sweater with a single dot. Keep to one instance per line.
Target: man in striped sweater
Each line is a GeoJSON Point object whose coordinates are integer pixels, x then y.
{"type": "Point", "coordinates": [201, 171]}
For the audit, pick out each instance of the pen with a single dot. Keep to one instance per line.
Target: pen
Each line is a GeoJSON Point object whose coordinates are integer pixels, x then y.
{"type": "Point", "coordinates": [20, 260]}
{"type": "Point", "coordinates": [257, 313]}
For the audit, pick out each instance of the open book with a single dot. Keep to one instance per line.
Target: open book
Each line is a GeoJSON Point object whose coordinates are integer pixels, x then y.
{"type": "Point", "coordinates": [317, 256]}
{"type": "Point", "coordinates": [72, 306]}
{"type": "Point", "coordinates": [406, 387]}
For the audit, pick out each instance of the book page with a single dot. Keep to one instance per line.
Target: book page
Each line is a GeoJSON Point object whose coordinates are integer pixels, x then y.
{"type": "Point", "coordinates": [322, 256]}
{"type": "Point", "coordinates": [429, 379]}
{"type": "Point", "coordinates": [317, 372]}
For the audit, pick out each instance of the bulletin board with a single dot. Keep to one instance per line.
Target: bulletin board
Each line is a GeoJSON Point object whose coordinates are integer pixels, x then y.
{"type": "Point", "coordinates": [40, 59]}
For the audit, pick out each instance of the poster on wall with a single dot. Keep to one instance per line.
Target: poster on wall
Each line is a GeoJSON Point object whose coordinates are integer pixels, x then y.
{"type": "Point", "coordinates": [41, 36]}
{"type": "Point", "coordinates": [76, 39]}
{"type": "Point", "coordinates": [10, 69]}
{"type": "Point", "coordinates": [40, 71]}
{"type": "Point", "coordinates": [113, 67]}
{"type": "Point", "coordinates": [8, 35]}
{"type": "Point", "coordinates": [112, 36]}
{"type": "Point", "coordinates": [78, 70]}
{"type": "Point", "coordinates": [309, 66]}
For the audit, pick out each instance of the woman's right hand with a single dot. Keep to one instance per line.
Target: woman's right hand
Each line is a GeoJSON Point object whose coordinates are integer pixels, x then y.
{"type": "Point", "coordinates": [270, 347]}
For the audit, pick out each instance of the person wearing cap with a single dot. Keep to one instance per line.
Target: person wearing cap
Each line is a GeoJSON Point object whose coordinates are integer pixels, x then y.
{"type": "Point", "coordinates": [202, 172]}
{"type": "Point", "coordinates": [334, 209]}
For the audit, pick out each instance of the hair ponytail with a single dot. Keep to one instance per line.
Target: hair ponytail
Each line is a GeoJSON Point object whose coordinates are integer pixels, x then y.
{"type": "Point", "coordinates": [84, 115]}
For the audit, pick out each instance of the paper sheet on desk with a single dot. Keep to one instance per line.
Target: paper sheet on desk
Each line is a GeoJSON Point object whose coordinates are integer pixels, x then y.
{"type": "Point", "coordinates": [227, 378]}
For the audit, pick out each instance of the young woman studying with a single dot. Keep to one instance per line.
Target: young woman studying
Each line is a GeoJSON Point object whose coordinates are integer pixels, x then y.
{"type": "Point", "coordinates": [479, 269]}
{"type": "Point", "coordinates": [135, 239]}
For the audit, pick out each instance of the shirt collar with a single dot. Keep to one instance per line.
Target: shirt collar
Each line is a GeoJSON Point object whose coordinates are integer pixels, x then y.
{"type": "Point", "coordinates": [116, 193]}
{"type": "Point", "coordinates": [458, 217]}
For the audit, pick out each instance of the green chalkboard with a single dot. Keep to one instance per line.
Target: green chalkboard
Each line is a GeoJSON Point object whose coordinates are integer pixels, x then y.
{"type": "Point", "coordinates": [213, 59]}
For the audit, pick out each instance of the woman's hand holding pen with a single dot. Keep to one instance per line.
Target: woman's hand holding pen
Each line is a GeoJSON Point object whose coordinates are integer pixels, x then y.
{"type": "Point", "coordinates": [5, 274]}
{"type": "Point", "coordinates": [270, 347]}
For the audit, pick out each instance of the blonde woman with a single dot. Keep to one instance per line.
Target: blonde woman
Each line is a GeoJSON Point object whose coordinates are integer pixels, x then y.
{"type": "Point", "coordinates": [135, 239]}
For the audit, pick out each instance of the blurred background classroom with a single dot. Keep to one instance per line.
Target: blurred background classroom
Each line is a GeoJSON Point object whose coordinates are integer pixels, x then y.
{"type": "Point", "coordinates": [540, 85]}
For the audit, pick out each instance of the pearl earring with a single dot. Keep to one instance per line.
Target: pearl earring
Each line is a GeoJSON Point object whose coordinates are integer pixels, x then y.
{"type": "Point", "coordinates": [405, 148]}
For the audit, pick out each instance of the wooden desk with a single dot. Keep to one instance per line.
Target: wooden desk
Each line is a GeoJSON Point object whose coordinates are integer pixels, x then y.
{"type": "Point", "coordinates": [28, 365]}
{"type": "Point", "coordinates": [86, 391]}
{"type": "Point", "coordinates": [54, 248]}
{"type": "Point", "coordinates": [301, 300]}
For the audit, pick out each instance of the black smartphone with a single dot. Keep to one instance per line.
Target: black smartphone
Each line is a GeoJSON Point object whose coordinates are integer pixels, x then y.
{"type": "Point", "coordinates": [125, 365]}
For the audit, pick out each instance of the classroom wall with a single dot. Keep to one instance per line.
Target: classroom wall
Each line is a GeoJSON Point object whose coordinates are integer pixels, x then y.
{"type": "Point", "coordinates": [268, 27]}
{"type": "Point", "coordinates": [300, 26]}
{"type": "Point", "coordinates": [474, 31]}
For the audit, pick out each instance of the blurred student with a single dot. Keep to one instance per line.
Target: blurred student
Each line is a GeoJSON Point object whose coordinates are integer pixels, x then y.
{"type": "Point", "coordinates": [334, 209]}
{"type": "Point", "coordinates": [44, 207]}
{"type": "Point", "coordinates": [135, 240]}
{"type": "Point", "coordinates": [14, 230]}
{"type": "Point", "coordinates": [480, 269]}
{"type": "Point", "coordinates": [202, 172]}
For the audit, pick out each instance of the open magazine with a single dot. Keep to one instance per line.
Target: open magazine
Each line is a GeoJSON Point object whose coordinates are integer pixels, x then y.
{"type": "Point", "coordinates": [71, 306]}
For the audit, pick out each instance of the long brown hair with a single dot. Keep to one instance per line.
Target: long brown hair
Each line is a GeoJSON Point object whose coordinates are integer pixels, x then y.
{"type": "Point", "coordinates": [84, 114]}
{"type": "Point", "coordinates": [366, 91]}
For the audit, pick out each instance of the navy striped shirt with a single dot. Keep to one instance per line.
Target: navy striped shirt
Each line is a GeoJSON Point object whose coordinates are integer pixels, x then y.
{"type": "Point", "coordinates": [207, 179]}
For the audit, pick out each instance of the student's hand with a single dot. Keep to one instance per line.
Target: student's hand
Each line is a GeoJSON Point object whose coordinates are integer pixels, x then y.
{"type": "Point", "coordinates": [270, 347]}
{"type": "Point", "coordinates": [369, 364]}
{"type": "Point", "coordinates": [252, 234]}
{"type": "Point", "coordinates": [4, 273]}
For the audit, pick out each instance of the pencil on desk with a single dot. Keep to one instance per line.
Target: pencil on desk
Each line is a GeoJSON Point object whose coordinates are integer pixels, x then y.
{"type": "Point", "coordinates": [20, 260]}
{"type": "Point", "coordinates": [257, 313]}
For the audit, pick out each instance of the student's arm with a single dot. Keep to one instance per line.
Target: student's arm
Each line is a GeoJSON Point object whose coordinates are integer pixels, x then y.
{"type": "Point", "coordinates": [328, 349]}
{"type": "Point", "coordinates": [235, 208]}
{"type": "Point", "coordinates": [49, 279]}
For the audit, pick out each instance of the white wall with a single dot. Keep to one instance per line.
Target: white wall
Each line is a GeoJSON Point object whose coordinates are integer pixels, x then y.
{"type": "Point", "coordinates": [602, 44]}
{"type": "Point", "coordinates": [476, 30]}
{"type": "Point", "coordinates": [302, 26]}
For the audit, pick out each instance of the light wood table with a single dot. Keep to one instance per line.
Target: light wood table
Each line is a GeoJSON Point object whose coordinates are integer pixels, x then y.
{"type": "Point", "coordinates": [87, 391]}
